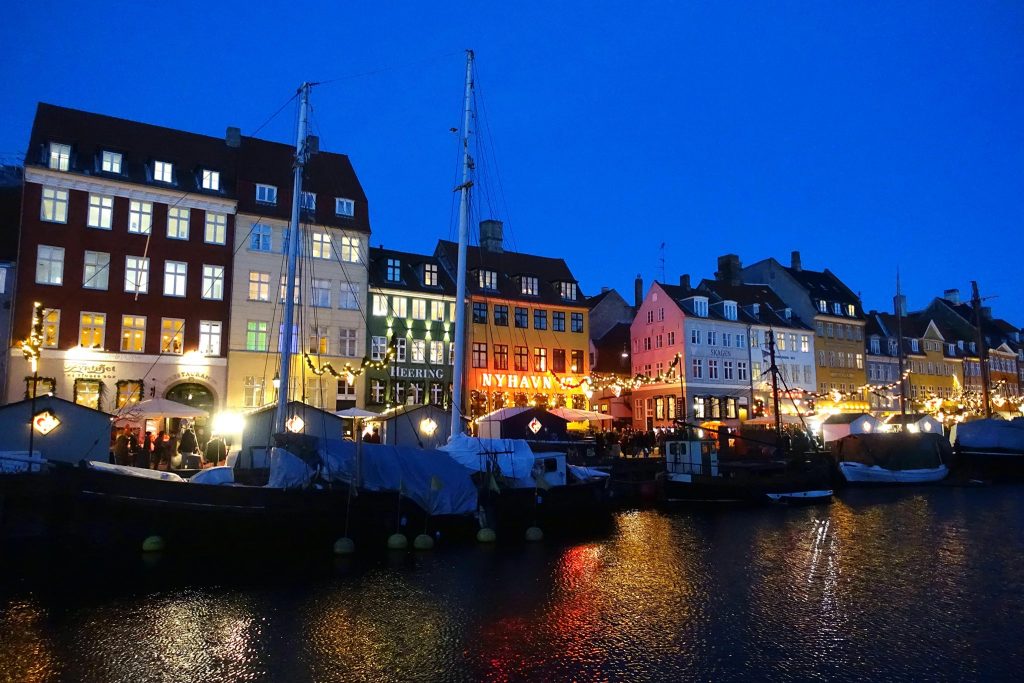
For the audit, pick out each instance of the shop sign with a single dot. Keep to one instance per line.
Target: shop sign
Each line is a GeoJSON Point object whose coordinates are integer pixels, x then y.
{"type": "Point", "coordinates": [720, 353]}
{"type": "Point", "coordinates": [189, 375]}
{"type": "Point", "coordinates": [45, 422]}
{"type": "Point", "coordinates": [401, 372]}
{"type": "Point", "coordinates": [90, 370]}
{"type": "Point", "coordinates": [489, 379]}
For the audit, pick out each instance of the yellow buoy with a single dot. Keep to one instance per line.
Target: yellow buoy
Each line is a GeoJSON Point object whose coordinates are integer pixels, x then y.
{"type": "Point", "coordinates": [397, 542]}
{"type": "Point", "coordinates": [486, 535]}
{"type": "Point", "coordinates": [423, 542]}
{"type": "Point", "coordinates": [534, 533]}
{"type": "Point", "coordinates": [344, 546]}
{"type": "Point", "coordinates": [153, 544]}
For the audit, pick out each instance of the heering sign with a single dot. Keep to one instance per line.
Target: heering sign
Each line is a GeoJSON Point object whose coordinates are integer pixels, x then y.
{"type": "Point", "coordinates": [416, 373]}
{"type": "Point", "coordinates": [504, 381]}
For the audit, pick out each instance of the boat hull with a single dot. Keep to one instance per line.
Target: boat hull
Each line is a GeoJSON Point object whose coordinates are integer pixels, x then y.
{"type": "Point", "coordinates": [573, 507]}
{"type": "Point", "coordinates": [859, 473]}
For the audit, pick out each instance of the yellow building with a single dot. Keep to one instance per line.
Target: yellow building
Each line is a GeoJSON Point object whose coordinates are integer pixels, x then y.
{"type": "Point", "coordinates": [935, 369]}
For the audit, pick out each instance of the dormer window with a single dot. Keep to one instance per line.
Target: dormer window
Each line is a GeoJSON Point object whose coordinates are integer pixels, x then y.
{"type": "Point", "coordinates": [914, 346]}
{"type": "Point", "coordinates": [949, 349]}
{"type": "Point", "coordinates": [850, 310]}
{"type": "Point", "coordinates": [308, 201]}
{"type": "Point", "coordinates": [344, 207]}
{"type": "Point", "coordinates": [394, 273]}
{"type": "Point", "coordinates": [755, 309]}
{"type": "Point", "coordinates": [528, 285]}
{"type": "Point", "coordinates": [875, 346]}
{"type": "Point", "coordinates": [163, 172]}
{"type": "Point", "coordinates": [893, 349]}
{"type": "Point", "coordinates": [430, 274]}
{"type": "Point", "coordinates": [568, 290]}
{"type": "Point", "coordinates": [488, 279]}
{"type": "Point", "coordinates": [837, 308]}
{"type": "Point", "coordinates": [960, 344]}
{"type": "Point", "coordinates": [822, 306]}
{"type": "Point", "coordinates": [787, 313]}
{"type": "Point", "coordinates": [60, 156]}
{"type": "Point", "coordinates": [110, 162]}
{"type": "Point", "coordinates": [974, 347]}
{"type": "Point", "coordinates": [266, 194]}
{"type": "Point", "coordinates": [730, 310]}
{"type": "Point", "coordinates": [210, 180]}
{"type": "Point", "coordinates": [700, 306]}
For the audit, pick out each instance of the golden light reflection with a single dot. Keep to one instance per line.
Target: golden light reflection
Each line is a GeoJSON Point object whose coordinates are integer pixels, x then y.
{"type": "Point", "coordinates": [26, 648]}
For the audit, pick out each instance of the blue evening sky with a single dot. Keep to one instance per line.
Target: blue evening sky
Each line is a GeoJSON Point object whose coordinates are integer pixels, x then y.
{"type": "Point", "coordinates": [867, 135]}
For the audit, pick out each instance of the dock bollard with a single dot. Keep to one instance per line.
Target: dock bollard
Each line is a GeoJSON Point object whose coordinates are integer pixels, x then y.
{"type": "Point", "coordinates": [344, 546]}
{"type": "Point", "coordinates": [534, 533]}
{"type": "Point", "coordinates": [486, 535]}
{"type": "Point", "coordinates": [423, 542]}
{"type": "Point", "coordinates": [397, 542]}
{"type": "Point", "coordinates": [153, 544]}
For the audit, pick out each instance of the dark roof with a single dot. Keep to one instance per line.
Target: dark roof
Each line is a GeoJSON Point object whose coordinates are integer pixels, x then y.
{"type": "Point", "coordinates": [510, 265]}
{"type": "Point", "coordinates": [598, 298]}
{"type": "Point", "coordinates": [770, 309]}
{"type": "Point", "coordinates": [825, 285]}
{"type": "Point", "coordinates": [411, 272]}
{"type": "Point", "coordinates": [843, 418]}
{"type": "Point", "coordinates": [609, 350]}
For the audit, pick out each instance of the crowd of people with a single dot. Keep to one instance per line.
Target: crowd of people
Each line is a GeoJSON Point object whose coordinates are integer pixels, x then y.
{"type": "Point", "coordinates": [165, 451]}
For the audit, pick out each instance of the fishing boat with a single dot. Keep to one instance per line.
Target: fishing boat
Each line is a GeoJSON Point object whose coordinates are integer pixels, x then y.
{"type": "Point", "coordinates": [892, 458]}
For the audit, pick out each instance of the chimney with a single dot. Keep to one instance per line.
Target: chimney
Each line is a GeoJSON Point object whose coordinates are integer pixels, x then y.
{"type": "Point", "coordinates": [952, 296]}
{"type": "Point", "coordinates": [233, 137]}
{"type": "Point", "coordinates": [794, 261]}
{"type": "Point", "coordinates": [986, 312]}
{"type": "Point", "coordinates": [638, 291]}
{"type": "Point", "coordinates": [900, 302]}
{"type": "Point", "coordinates": [491, 235]}
{"type": "Point", "coordinates": [604, 290]}
{"type": "Point", "coordinates": [728, 269]}
{"type": "Point", "coordinates": [684, 281]}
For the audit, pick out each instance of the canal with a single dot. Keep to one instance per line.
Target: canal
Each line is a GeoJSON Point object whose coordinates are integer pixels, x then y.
{"type": "Point", "coordinates": [881, 585]}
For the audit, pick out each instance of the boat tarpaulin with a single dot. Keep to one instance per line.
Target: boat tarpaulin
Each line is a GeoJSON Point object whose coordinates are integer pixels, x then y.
{"type": "Point", "coordinates": [141, 472]}
{"type": "Point", "coordinates": [584, 473]}
{"type": "Point", "coordinates": [289, 471]}
{"type": "Point", "coordinates": [894, 451]}
{"type": "Point", "coordinates": [513, 456]}
{"type": "Point", "coordinates": [992, 435]}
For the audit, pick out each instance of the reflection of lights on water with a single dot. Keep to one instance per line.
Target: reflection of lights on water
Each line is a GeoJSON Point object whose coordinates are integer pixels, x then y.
{"type": "Point", "coordinates": [26, 649]}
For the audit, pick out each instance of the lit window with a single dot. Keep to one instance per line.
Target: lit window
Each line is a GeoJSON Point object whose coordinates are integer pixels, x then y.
{"type": "Point", "coordinates": [54, 207]}
{"type": "Point", "coordinates": [163, 172]}
{"type": "Point", "coordinates": [437, 353]}
{"type": "Point", "coordinates": [350, 249]}
{"type": "Point", "coordinates": [321, 245]}
{"type": "Point", "coordinates": [252, 391]}
{"type": "Point", "coordinates": [318, 341]}
{"type": "Point", "coordinates": [110, 162]}
{"type": "Point", "coordinates": [51, 328]}
{"type": "Point", "coordinates": [256, 335]}
{"type": "Point", "coordinates": [49, 265]}
{"type": "Point", "coordinates": [140, 217]}
{"type": "Point", "coordinates": [488, 279]}
{"type": "Point", "coordinates": [96, 270]}
{"type": "Point", "coordinates": [479, 355]}
{"type": "Point", "coordinates": [437, 311]}
{"type": "Point", "coordinates": [419, 309]}
{"type": "Point", "coordinates": [308, 201]}
{"type": "Point", "coordinates": [528, 285]}
{"type": "Point", "coordinates": [430, 274]}
{"type": "Point", "coordinates": [394, 270]}
{"type": "Point", "coordinates": [419, 351]}
{"type": "Point", "coordinates": [177, 223]}
{"type": "Point", "coordinates": [213, 282]}
{"type": "Point", "coordinates": [60, 156]}
{"type": "Point", "coordinates": [283, 286]}
{"type": "Point", "coordinates": [259, 238]}
{"type": "Point", "coordinates": [259, 286]}
{"type": "Point", "coordinates": [87, 393]}
{"type": "Point", "coordinates": [380, 305]}
{"type": "Point", "coordinates": [266, 194]}
{"type": "Point", "coordinates": [101, 211]}
{"type": "Point", "coordinates": [211, 180]}
{"type": "Point", "coordinates": [133, 333]}
{"type": "Point", "coordinates": [172, 335]}
{"type": "Point", "coordinates": [175, 277]}
{"type": "Point", "coordinates": [378, 347]}
{"type": "Point", "coordinates": [136, 274]}
{"type": "Point", "coordinates": [344, 207]}
{"type": "Point", "coordinates": [540, 359]}
{"type": "Point", "coordinates": [321, 293]}
{"type": "Point", "coordinates": [399, 306]}
{"type": "Point", "coordinates": [92, 330]}
{"type": "Point", "coordinates": [216, 228]}
{"type": "Point", "coordinates": [569, 291]}
{"type": "Point", "coordinates": [209, 337]}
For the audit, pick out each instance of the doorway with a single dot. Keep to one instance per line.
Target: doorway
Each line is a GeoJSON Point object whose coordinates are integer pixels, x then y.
{"type": "Point", "coordinates": [196, 396]}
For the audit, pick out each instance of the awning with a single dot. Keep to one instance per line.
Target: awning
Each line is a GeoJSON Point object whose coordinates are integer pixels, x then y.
{"type": "Point", "coordinates": [356, 412]}
{"type": "Point", "coordinates": [574, 415]}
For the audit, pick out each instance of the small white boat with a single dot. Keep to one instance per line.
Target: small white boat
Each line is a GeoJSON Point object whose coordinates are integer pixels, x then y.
{"type": "Point", "coordinates": [892, 458]}
{"type": "Point", "coordinates": [856, 472]}
{"type": "Point", "coordinates": [801, 497]}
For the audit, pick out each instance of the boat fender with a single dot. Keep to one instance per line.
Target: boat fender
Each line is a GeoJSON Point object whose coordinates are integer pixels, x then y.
{"type": "Point", "coordinates": [344, 546]}
{"type": "Point", "coordinates": [423, 542]}
{"type": "Point", "coordinates": [486, 535]}
{"type": "Point", "coordinates": [153, 544]}
{"type": "Point", "coordinates": [534, 534]}
{"type": "Point", "coordinates": [397, 542]}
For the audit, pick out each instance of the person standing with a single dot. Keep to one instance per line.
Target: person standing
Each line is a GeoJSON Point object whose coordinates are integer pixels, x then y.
{"type": "Point", "coordinates": [216, 451]}
{"type": "Point", "coordinates": [122, 454]}
{"type": "Point", "coordinates": [143, 453]}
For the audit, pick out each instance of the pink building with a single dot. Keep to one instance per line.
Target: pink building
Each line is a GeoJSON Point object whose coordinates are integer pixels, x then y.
{"type": "Point", "coordinates": [656, 338]}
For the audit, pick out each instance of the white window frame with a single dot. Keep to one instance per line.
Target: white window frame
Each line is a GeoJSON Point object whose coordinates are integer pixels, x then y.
{"type": "Point", "coordinates": [350, 249]}
{"type": "Point", "coordinates": [529, 285]}
{"type": "Point", "coordinates": [419, 309]}
{"type": "Point", "coordinates": [96, 270]}
{"type": "Point", "coordinates": [178, 218]}
{"type": "Point", "coordinates": [175, 329]}
{"type": "Point", "coordinates": [380, 305]}
{"type": "Point", "coordinates": [140, 217]}
{"type": "Point", "coordinates": [139, 266]}
{"type": "Point", "coordinates": [210, 180]}
{"type": "Point", "coordinates": [101, 211]}
{"type": "Point", "coordinates": [163, 172]}
{"type": "Point", "coordinates": [430, 274]}
{"type": "Point", "coordinates": [350, 296]}
{"type": "Point", "coordinates": [175, 278]}
{"type": "Point", "coordinates": [211, 333]}
{"type": "Point", "coordinates": [213, 282]}
{"type": "Point", "coordinates": [266, 194]}
{"type": "Point", "coordinates": [378, 347]}
{"type": "Point", "coordinates": [261, 281]}
{"type": "Point", "coordinates": [127, 340]}
{"type": "Point", "coordinates": [261, 237]}
{"type": "Point", "coordinates": [419, 351]}
{"type": "Point", "coordinates": [344, 207]}
{"type": "Point", "coordinates": [111, 162]}
{"type": "Point", "coordinates": [97, 322]}
{"type": "Point", "coordinates": [488, 279]}
{"type": "Point", "coordinates": [348, 342]}
{"type": "Point", "coordinates": [308, 201]}
{"type": "Point", "coordinates": [321, 245]}
{"type": "Point", "coordinates": [321, 295]}
{"type": "Point", "coordinates": [215, 230]}
{"type": "Point", "coordinates": [60, 156]}
{"type": "Point", "coordinates": [53, 206]}
{"type": "Point", "coordinates": [49, 264]}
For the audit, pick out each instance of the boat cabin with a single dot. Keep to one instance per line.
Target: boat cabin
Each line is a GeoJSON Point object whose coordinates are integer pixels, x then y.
{"type": "Point", "coordinates": [688, 457]}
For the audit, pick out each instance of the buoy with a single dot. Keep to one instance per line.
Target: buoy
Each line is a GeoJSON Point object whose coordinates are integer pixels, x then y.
{"type": "Point", "coordinates": [423, 542]}
{"type": "Point", "coordinates": [397, 542]}
{"type": "Point", "coordinates": [486, 535]}
{"type": "Point", "coordinates": [344, 546]}
{"type": "Point", "coordinates": [534, 534]}
{"type": "Point", "coordinates": [153, 544]}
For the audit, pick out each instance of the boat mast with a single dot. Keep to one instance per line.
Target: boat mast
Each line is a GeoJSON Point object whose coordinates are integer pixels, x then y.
{"type": "Point", "coordinates": [982, 351]}
{"type": "Point", "coordinates": [897, 303]}
{"type": "Point", "coordinates": [460, 281]}
{"type": "Point", "coordinates": [775, 384]}
{"type": "Point", "coordinates": [293, 253]}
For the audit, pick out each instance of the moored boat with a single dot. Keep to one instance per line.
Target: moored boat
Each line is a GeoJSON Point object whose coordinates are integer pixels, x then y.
{"type": "Point", "coordinates": [892, 458]}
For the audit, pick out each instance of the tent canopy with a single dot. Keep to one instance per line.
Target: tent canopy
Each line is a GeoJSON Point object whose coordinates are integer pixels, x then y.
{"type": "Point", "coordinates": [356, 412]}
{"type": "Point", "coordinates": [575, 415]}
{"type": "Point", "coordinates": [156, 408]}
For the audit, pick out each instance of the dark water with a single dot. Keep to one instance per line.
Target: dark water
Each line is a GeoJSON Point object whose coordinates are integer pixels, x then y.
{"type": "Point", "coordinates": [881, 585]}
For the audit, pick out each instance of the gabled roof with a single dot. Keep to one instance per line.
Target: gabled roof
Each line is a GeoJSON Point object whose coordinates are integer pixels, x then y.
{"type": "Point", "coordinates": [593, 301]}
{"type": "Point", "coordinates": [770, 307]}
{"type": "Point", "coordinates": [411, 272]}
{"type": "Point", "coordinates": [825, 285]}
{"type": "Point", "coordinates": [510, 266]}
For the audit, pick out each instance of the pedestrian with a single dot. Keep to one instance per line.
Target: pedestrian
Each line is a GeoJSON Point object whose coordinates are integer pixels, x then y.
{"type": "Point", "coordinates": [216, 451]}
{"type": "Point", "coordinates": [159, 448]}
{"type": "Point", "coordinates": [122, 454]}
{"type": "Point", "coordinates": [143, 454]}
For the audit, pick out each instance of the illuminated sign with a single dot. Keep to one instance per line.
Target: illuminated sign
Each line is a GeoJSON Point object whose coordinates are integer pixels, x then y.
{"type": "Point", "coordinates": [534, 425]}
{"type": "Point", "coordinates": [489, 379]}
{"type": "Point", "coordinates": [45, 422]}
{"type": "Point", "coordinates": [416, 373]}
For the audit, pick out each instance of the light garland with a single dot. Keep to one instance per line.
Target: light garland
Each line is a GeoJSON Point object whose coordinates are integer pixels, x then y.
{"type": "Point", "coordinates": [30, 347]}
{"type": "Point", "coordinates": [598, 381]}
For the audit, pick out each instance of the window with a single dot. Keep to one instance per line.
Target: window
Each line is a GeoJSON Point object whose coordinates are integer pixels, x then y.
{"type": "Point", "coordinates": [177, 223]}
{"type": "Point", "coordinates": [60, 156]}
{"type": "Point", "coordinates": [568, 290]}
{"type": "Point", "coordinates": [136, 274]}
{"type": "Point", "coordinates": [437, 352]}
{"type": "Point", "coordinates": [321, 245]}
{"type": "Point", "coordinates": [51, 328]}
{"type": "Point", "coordinates": [133, 333]}
{"type": "Point", "coordinates": [318, 342]}
{"type": "Point", "coordinates": [430, 274]}
{"type": "Point", "coordinates": [394, 270]}
{"type": "Point", "coordinates": [49, 265]}
{"type": "Point", "coordinates": [110, 162]}
{"type": "Point", "coordinates": [216, 231]}
{"type": "Point", "coordinates": [780, 341]}
{"type": "Point", "coordinates": [805, 343]}
{"type": "Point", "coordinates": [128, 393]}
{"type": "Point", "coordinates": [488, 279]}
{"type": "Point", "coordinates": [348, 345]}
{"type": "Point", "coordinates": [712, 338]}
{"type": "Point", "coordinates": [259, 237]}
{"type": "Point", "coordinates": [671, 338]}
{"type": "Point", "coordinates": [528, 285]}
{"type": "Point", "coordinates": [850, 310]}
{"type": "Point", "coordinates": [741, 370]}
{"type": "Point", "coordinates": [820, 327]}
{"type": "Point", "coordinates": [697, 368]}
{"type": "Point", "coordinates": [378, 347]}
{"type": "Point", "coordinates": [540, 359]}
{"type": "Point", "coordinates": [647, 343]}
{"type": "Point", "coordinates": [256, 333]}
{"type": "Point", "coordinates": [140, 217]}
{"type": "Point", "coordinates": [479, 355]}
{"type": "Point", "coordinates": [521, 359]}
{"type": "Point", "coordinates": [87, 393]}
{"type": "Point", "coordinates": [211, 180]}
{"type": "Point", "coordinates": [727, 339]}
{"type": "Point", "coordinates": [650, 317]}
{"type": "Point", "coordinates": [213, 283]}
{"type": "Point", "coordinates": [837, 308]}
{"type": "Point", "coordinates": [419, 310]}
{"type": "Point", "coordinates": [350, 249]}
{"type": "Point", "coordinates": [308, 202]}
{"type": "Point", "coordinates": [346, 389]}
{"type": "Point", "coordinates": [558, 321]}
{"type": "Point", "coordinates": [321, 293]}
{"type": "Point", "coordinates": [821, 358]}
{"type": "Point", "coordinates": [695, 337]}
{"type": "Point", "coordinates": [96, 270]}
{"type": "Point", "coordinates": [380, 305]}
{"type": "Point", "coordinates": [576, 322]}
{"type": "Point", "coordinates": [252, 391]}
{"type": "Point", "coordinates": [101, 211]}
{"type": "Point", "coordinates": [558, 360]}
{"type": "Point", "coordinates": [860, 361]}
{"type": "Point", "coordinates": [377, 391]}
{"type": "Point", "coordinates": [437, 311]}
{"type": "Point", "coordinates": [576, 360]}
{"type": "Point", "coordinates": [540, 319]}
{"type": "Point", "coordinates": [54, 207]}
{"type": "Point", "coordinates": [266, 194]}
{"type": "Point", "coordinates": [399, 306]}
{"type": "Point", "coordinates": [501, 315]}
{"type": "Point", "coordinates": [163, 172]}
{"type": "Point", "coordinates": [172, 335]}
{"type": "Point", "coordinates": [700, 306]}
{"type": "Point", "coordinates": [92, 330]}
{"type": "Point", "coordinates": [209, 337]}
{"type": "Point", "coordinates": [399, 392]}
{"type": "Point", "coordinates": [501, 357]}
{"type": "Point", "coordinates": [479, 312]}
{"type": "Point", "coordinates": [175, 276]}
{"type": "Point", "coordinates": [730, 310]}
{"type": "Point", "coordinates": [350, 296]}
{"type": "Point", "coordinates": [914, 346]}
{"type": "Point", "coordinates": [829, 330]}
{"type": "Point", "coordinates": [522, 315]}
{"type": "Point", "coordinates": [727, 369]}
{"type": "Point", "coordinates": [344, 207]}
{"type": "Point", "coordinates": [712, 368]}
{"type": "Point", "coordinates": [419, 351]}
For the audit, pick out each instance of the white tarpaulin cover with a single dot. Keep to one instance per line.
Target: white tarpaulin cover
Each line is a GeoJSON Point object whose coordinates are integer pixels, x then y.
{"type": "Point", "coordinates": [514, 457]}
{"type": "Point", "coordinates": [992, 435]}
{"type": "Point", "coordinates": [576, 415]}
{"type": "Point", "coordinates": [133, 471]}
{"type": "Point", "coordinates": [584, 473]}
{"type": "Point", "coordinates": [216, 476]}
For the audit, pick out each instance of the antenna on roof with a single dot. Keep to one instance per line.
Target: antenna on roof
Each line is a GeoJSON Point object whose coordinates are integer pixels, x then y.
{"type": "Point", "coordinates": [661, 260]}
